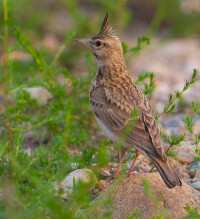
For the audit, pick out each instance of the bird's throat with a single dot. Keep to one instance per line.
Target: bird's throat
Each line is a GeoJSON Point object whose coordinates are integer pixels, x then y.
{"type": "Point", "coordinates": [112, 66]}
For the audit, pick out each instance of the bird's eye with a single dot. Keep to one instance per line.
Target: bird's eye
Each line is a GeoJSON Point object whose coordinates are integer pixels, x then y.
{"type": "Point", "coordinates": [98, 43]}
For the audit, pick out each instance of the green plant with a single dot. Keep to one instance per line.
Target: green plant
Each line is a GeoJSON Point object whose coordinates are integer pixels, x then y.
{"type": "Point", "coordinates": [192, 213]}
{"type": "Point", "coordinates": [63, 132]}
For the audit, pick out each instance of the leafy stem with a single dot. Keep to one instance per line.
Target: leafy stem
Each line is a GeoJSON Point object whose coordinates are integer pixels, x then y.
{"type": "Point", "coordinates": [173, 98]}
{"type": "Point", "coordinates": [37, 56]}
{"type": "Point", "coordinates": [141, 41]}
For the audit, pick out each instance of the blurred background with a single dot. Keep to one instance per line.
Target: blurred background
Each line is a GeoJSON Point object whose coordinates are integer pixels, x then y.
{"type": "Point", "coordinates": [172, 26]}
{"type": "Point", "coordinates": [51, 125]}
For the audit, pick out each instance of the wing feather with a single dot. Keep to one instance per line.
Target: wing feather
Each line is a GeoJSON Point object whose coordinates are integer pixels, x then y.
{"type": "Point", "coordinates": [115, 113]}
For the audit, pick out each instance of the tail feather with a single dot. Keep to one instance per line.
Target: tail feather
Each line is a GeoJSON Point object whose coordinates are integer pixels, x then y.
{"type": "Point", "coordinates": [167, 173]}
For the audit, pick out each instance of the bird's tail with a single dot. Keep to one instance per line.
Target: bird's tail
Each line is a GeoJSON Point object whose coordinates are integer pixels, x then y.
{"type": "Point", "coordinates": [167, 173]}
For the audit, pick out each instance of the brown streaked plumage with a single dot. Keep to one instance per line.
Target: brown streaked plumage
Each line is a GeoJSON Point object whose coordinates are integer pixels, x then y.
{"type": "Point", "coordinates": [113, 96]}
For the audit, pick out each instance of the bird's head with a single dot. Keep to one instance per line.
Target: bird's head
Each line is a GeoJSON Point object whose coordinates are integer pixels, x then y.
{"type": "Point", "coordinates": [105, 45]}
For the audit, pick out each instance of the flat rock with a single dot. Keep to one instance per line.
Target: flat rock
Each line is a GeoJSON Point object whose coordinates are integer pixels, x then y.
{"type": "Point", "coordinates": [41, 94]}
{"type": "Point", "coordinates": [129, 196]}
{"type": "Point", "coordinates": [196, 185]}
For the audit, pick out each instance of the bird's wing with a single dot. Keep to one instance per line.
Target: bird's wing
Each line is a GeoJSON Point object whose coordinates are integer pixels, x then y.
{"type": "Point", "coordinates": [114, 110]}
{"type": "Point", "coordinates": [106, 111]}
{"type": "Point", "coordinates": [152, 128]}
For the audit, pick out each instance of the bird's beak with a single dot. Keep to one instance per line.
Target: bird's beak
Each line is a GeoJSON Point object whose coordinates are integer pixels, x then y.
{"type": "Point", "coordinates": [85, 42]}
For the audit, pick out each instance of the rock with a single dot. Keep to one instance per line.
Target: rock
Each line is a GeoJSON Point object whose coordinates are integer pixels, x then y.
{"type": "Point", "coordinates": [185, 153]}
{"type": "Point", "coordinates": [21, 56]}
{"type": "Point", "coordinates": [41, 94]}
{"type": "Point", "coordinates": [190, 6]}
{"type": "Point", "coordinates": [172, 63]}
{"type": "Point", "coordinates": [108, 171]}
{"type": "Point", "coordinates": [193, 169]}
{"type": "Point", "coordinates": [129, 196]}
{"type": "Point", "coordinates": [172, 124]}
{"type": "Point", "coordinates": [192, 172]}
{"type": "Point", "coordinates": [141, 165]}
{"type": "Point", "coordinates": [85, 175]}
{"type": "Point", "coordinates": [105, 172]}
{"type": "Point", "coordinates": [74, 166]}
{"type": "Point", "coordinates": [102, 184]}
{"type": "Point", "coordinates": [180, 170]}
{"type": "Point", "coordinates": [196, 185]}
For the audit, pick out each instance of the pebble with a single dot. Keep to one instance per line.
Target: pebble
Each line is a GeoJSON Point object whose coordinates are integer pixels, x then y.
{"type": "Point", "coordinates": [102, 184]}
{"type": "Point", "coordinates": [85, 175]}
{"type": "Point", "coordinates": [172, 124]}
{"type": "Point", "coordinates": [21, 56]}
{"type": "Point", "coordinates": [105, 172]}
{"type": "Point", "coordinates": [196, 185]}
{"type": "Point", "coordinates": [41, 94]}
{"type": "Point", "coordinates": [193, 171]}
{"type": "Point", "coordinates": [141, 165]}
{"type": "Point", "coordinates": [185, 153]}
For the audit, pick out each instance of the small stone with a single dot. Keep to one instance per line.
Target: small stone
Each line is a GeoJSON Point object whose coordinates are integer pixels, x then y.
{"type": "Point", "coordinates": [74, 165]}
{"type": "Point", "coordinates": [28, 151]}
{"type": "Point", "coordinates": [185, 153]}
{"type": "Point", "coordinates": [172, 124]}
{"type": "Point", "coordinates": [41, 94]}
{"type": "Point", "coordinates": [21, 56]}
{"type": "Point", "coordinates": [190, 6]}
{"type": "Point", "coordinates": [141, 165]}
{"type": "Point", "coordinates": [196, 185]}
{"type": "Point", "coordinates": [102, 184]}
{"type": "Point", "coordinates": [129, 163]}
{"type": "Point", "coordinates": [193, 170]}
{"type": "Point", "coordinates": [85, 175]}
{"type": "Point", "coordinates": [105, 172]}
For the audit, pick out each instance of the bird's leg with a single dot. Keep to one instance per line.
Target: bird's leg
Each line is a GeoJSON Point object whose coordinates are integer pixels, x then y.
{"type": "Point", "coordinates": [119, 164]}
{"type": "Point", "coordinates": [131, 169]}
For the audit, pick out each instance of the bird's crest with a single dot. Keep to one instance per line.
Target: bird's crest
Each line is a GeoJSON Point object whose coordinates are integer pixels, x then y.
{"type": "Point", "coordinates": [106, 29]}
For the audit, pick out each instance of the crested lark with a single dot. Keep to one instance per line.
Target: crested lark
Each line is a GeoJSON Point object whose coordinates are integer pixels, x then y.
{"type": "Point", "coordinates": [113, 96]}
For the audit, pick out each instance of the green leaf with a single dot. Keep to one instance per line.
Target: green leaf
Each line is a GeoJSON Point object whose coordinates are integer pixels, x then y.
{"type": "Point", "coordinates": [124, 47]}
{"type": "Point", "coordinates": [171, 108]}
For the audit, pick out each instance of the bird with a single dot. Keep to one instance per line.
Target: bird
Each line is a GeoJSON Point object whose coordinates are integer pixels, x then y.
{"type": "Point", "coordinates": [114, 97]}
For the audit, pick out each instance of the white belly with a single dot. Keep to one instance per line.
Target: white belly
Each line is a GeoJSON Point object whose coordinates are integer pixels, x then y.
{"type": "Point", "coordinates": [106, 130]}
